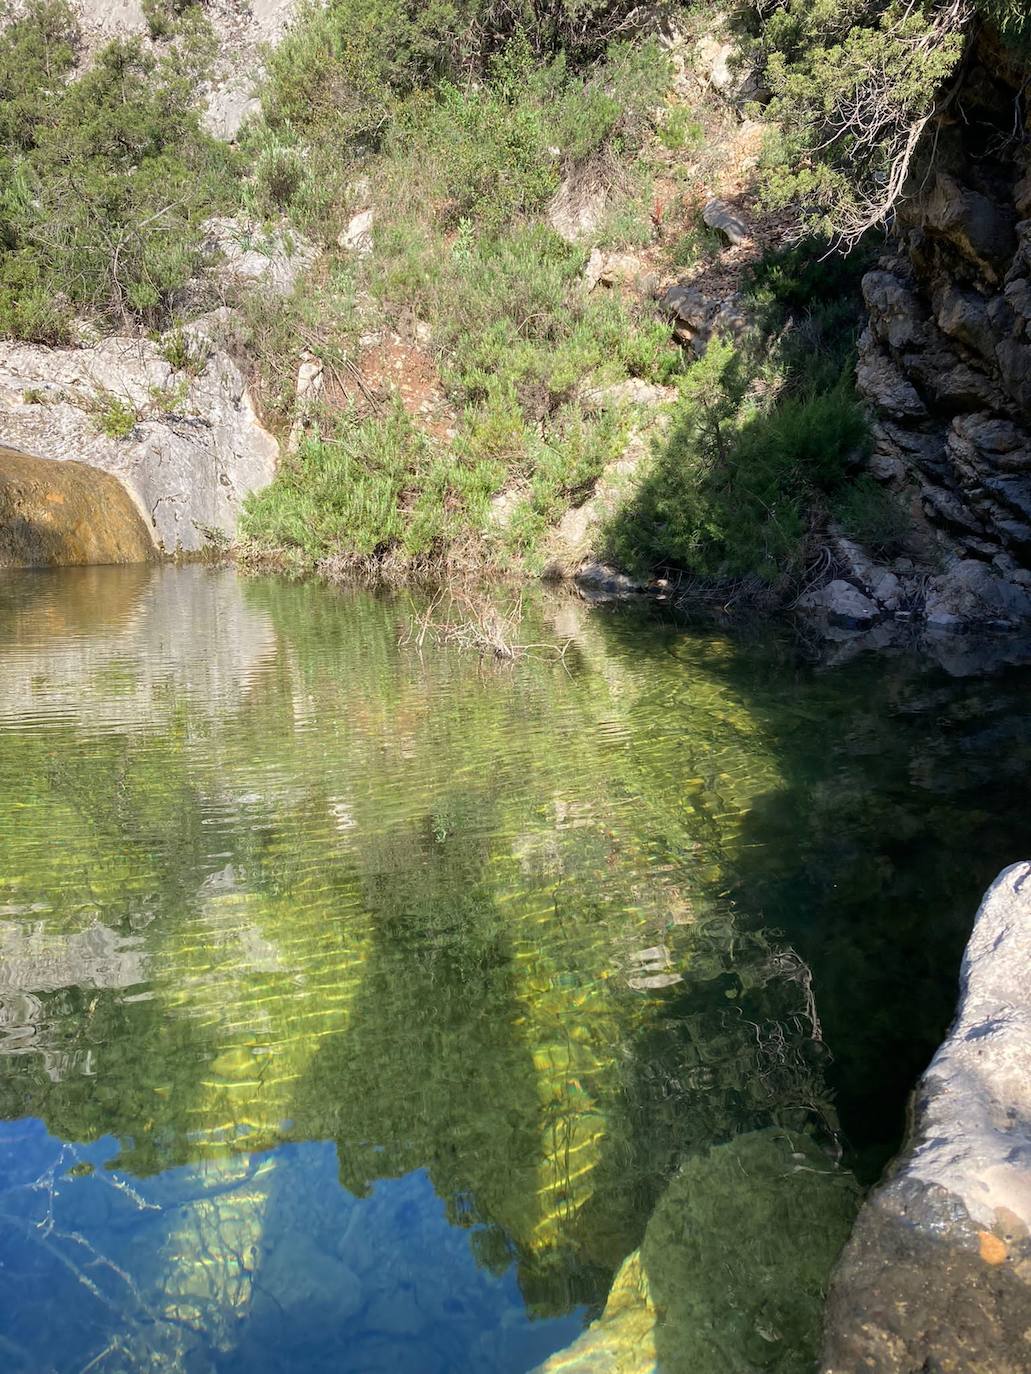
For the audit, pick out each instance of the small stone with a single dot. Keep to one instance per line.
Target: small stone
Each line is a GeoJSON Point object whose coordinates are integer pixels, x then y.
{"type": "Point", "coordinates": [718, 215]}
{"type": "Point", "coordinates": [993, 1250]}
{"type": "Point", "coordinates": [357, 237]}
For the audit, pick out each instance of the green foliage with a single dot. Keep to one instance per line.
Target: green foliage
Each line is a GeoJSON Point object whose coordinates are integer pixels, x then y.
{"type": "Point", "coordinates": [347, 63]}
{"type": "Point", "coordinates": [462, 176]}
{"type": "Point", "coordinates": [730, 491]}
{"type": "Point", "coordinates": [163, 16]}
{"type": "Point", "coordinates": [1012, 18]}
{"type": "Point", "coordinates": [369, 490]}
{"type": "Point", "coordinates": [872, 517]}
{"type": "Point", "coordinates": [181, 354]}
{"type": "Point", "coordinates": [854, 83]}
{"type": "Point", "coordinates": [114, 415]}
{"type": "Point", "coordinates": [105, 178]}
{"type": "Point", "coordinates": [695, 245]}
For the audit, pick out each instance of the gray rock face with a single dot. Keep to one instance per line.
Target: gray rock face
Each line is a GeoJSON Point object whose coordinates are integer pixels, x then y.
{"type": "Point", "coordinates": [193, 450]}
{"type": "Point", "coordinates": [243, 29]}
{"type": "Point", "coordinates": [246, 254]}
{"type": "Point", "coordinates": [843, 604]}
{"type": "Point", "coordinates": [722, 217]}
{"type": "Point", "coordinates": [945, 367]}
{"type": "Point", "coordinates": [937, 1273]}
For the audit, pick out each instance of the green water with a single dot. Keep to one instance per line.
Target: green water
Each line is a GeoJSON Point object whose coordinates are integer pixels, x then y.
{"type": "Point", "coordinates": [365, 1007]}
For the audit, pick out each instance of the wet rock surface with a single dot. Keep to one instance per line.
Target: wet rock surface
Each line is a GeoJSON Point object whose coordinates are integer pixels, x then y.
{"type": "Point", "coordinates": [186, 445]}
{"type": "Point", "coordinates": [937, 1274]}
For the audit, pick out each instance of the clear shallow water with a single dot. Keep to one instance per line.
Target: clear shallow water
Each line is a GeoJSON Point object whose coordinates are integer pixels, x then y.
{"type": "Point", "coordinates": [363, 1009]}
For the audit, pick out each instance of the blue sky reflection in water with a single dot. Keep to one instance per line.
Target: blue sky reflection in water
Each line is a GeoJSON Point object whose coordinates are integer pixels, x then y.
{"type": "Point", "coordinates": [367, 1009]}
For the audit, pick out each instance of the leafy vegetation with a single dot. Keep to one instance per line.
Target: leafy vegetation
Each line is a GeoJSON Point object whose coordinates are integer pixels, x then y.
{"type": "Point", "coordinates": [461, 120]}
{"type": "Point", "coordinates": [462, 177]}
{"type": "Point", "coordinates": [859, 88]}
{"type": "Point", "coordinates": [104, 177]}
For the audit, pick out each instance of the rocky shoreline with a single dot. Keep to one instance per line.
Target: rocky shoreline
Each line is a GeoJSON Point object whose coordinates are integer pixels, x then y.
{"type": "Point", "coordinates": [937, 1272]}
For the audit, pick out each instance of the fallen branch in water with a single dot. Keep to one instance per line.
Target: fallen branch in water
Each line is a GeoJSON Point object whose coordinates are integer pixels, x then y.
{"type": "Point", "coordinates": [466, 624]}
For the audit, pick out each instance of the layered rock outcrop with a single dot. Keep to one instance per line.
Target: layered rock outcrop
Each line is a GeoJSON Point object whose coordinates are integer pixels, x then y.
{"type": "Point", "coordinates": [945, 365]}
{"type": "Point", "coordinates": [937, 1273]}
{"type": "Point", "coordinates": [186, 442]}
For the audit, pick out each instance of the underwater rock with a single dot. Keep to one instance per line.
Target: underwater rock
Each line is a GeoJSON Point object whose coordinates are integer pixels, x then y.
{"type": "Point", "coordinates": [729, 1277]}
{"type": "Point", "coordinates": [937, 1274]}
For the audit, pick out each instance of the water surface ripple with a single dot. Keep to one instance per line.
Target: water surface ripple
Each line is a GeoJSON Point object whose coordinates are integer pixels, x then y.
{"type": "Point", "coordinates": [367, 1009]}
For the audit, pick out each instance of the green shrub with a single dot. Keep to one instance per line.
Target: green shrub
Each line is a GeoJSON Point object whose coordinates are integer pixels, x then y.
{"type": "Point", "coordinates": [114, 415]}
{"type": "Point", "coordinates": [872, 517]}
{"type": "Point", "coordinates": [163, 16]}
{"type": "Point", "coordinates": [366, 492]}
{"type": "Point", "coordinates": [857, 88]}
{"type": "Point", "coordinates": [105, 178]}
{"type": "Point", "coordinates": [347, 63]}
{"type": "Point", "coordinates": [729, 494]}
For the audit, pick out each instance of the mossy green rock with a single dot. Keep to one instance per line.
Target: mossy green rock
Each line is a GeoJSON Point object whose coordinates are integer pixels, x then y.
{"type": "Point", "coordinates": [738, 1251]}
{"type": "Point", "coordinates": [730, 1277]}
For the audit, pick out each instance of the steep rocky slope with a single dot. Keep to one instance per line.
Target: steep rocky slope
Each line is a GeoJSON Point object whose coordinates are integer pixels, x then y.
{"type": "Point", "coordinates": [945, 367]}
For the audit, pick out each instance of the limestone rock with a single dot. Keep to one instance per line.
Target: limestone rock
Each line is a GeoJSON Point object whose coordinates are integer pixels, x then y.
{"type": "Point", "coordinates": [243, 30]}
{"type": "Point", "coordinates": [634, 391]}
{"type": "Point", "coordinates": [617, 270]}
{"type": "Point", "coordinates": [971, 593]}
{"type": "Point", "coordinates": [698, 316]}
{"type": "Point", "coordinates": [937, 1274]}
{"type": "Point", "coordinates": [247, 254]}
{"type": "Point", "coordinates": [357, 237]}
{"type": "Point", "coordinates": [981, 229]}
{"type": "Point", "coordinates": [843, 604]}
{"type": "Point", "coordinates": [714, 59]}
{"type": "Point", "coordinates": [601, 577]}
{"type": "Point", "coordinates": [577, 209]}
{"type": "Point", "coordinates": [895, 311]}
{"type": "Point", "coordinates": [195, 448]}
{"type": "Point", "coordinates": [885, 385]}
{"type": "Point", "coordinates": [722, 217]}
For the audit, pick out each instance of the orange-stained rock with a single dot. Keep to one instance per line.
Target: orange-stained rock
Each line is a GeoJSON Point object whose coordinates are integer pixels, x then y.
{"type": "Point", "coordinates": [57, 513]}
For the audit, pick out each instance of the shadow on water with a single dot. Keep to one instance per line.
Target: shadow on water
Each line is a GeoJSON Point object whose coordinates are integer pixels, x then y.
{"type": "Point", "coordinates": [615, 953]}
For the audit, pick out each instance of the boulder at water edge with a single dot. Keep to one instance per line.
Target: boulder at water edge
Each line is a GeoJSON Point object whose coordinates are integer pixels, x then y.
{"type": "Point", "coordinates": [937, 1274]}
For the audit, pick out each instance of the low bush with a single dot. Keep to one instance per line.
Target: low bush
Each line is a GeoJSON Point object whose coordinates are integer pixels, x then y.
{"type": "Point", "coordinates": [730, 493]}
{"type": "Point", "coordinates": [872, 516]}
{"type": "Point", "coordinates": [106, 177]}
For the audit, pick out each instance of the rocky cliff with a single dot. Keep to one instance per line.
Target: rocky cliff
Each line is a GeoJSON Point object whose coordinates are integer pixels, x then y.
{"type": "Point", "coordinates": [937, 1273]}
{"type": "Point", "coordinates": [184, 441]}
{"type": "Point", "coordinates": [945, 367]}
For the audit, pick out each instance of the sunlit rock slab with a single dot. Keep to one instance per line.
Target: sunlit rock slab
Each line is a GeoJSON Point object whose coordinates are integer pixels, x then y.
{"type": "Point", "coordinates": [937, 1274]}
{"type": "Point", "coordinates": [66, 514]}
{"type": "Point", "coordinates": [188, 448]}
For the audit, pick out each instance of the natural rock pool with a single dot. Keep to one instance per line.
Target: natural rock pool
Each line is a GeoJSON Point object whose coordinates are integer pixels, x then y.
{"type": "Point", "coordinates": [367, 1009]}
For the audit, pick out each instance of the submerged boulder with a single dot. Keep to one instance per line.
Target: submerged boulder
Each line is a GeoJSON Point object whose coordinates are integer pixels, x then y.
{"type": "Point", "coordinates": [937, 1274]}
{"type": "Point", "coordinates": [730, 1275]}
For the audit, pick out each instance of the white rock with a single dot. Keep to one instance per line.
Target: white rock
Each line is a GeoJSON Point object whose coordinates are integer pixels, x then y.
{"type": "Point", "coordinates": [188, 471]}
{"type": "Point", "coordinates": [357, 237]}
{"type": "Point", "coordinates": [251, 255]}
